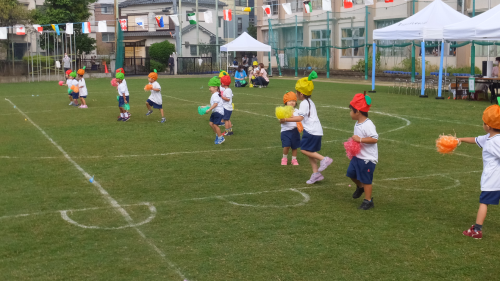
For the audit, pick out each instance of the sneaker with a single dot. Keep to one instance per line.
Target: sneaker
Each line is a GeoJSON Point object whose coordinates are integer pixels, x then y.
{"type": "Point", "coordinates": [230, 133]}
{"type": "Point", "coordinates": [163, 120]}
{"type": "Point", "coordinates": [366, 205]}
{"type": "Point", "coordinates": [323, 164]}
{"type": "Point", "coordinates": [81, 106]}
{"type": "Point", "coordinates": [71, 103]}
{"type": "Point", "coordinates": [358, 192]}
{"type": "Point", "coordinates": [284, 161]}
{"type": "Point", "coordinates": [126, 119]}
{"type": "Point", "coordinates": [216, 139]}
{"type": "Point", "coordinates": [225, 134]}
{"type": "Point", "coordinates": [149, 112]}
{"type": "Point", "coordinates": [85, 106]}
{"type": "Point", "coordinates": [75, 104]}
{"type": "Point", "coordinates": [260, 87]}
{"type": "Point", "coordinates": [315, 177]}
{"type": "Point", "coordinates": [472, 233]}
{"type": "Point", "coordinates": [120, 119]}
{"type": "Point", "coordinates": [221, 140]}
{"type": "Point", "coordinates": [295, 162]}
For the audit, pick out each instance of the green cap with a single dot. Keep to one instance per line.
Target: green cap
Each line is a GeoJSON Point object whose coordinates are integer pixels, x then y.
{"type": "Point", "coordinates": [73, 74]}
{"type": "Point", "coordinates": [214, 82]}
{"type": "Point", "coordinates": [120, 75]}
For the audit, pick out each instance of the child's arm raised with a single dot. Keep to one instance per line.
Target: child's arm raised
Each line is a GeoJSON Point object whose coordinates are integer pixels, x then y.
{"type": "Point", "coordinates": [467, 140]}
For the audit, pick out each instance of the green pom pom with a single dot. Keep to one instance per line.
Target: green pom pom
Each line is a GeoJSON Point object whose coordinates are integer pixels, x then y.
{"type": "Point", "coordinates": [69, 91]}
{"type": "Point", "coordinates": [203, 109]}
{"type": "Point", "coordinates": [368, 100]}
{"type": "Point", "coordinates": [117, 98]}
{"type": "Point", "coordinates": [498, 99]}
{"type": "Point", "coordinates": [155, 71]}
{"type": "Point", "coordinates": [312, 76]}
{"type": "Point", "coordinates": [126, 106]}
{"type": "Point", "coordinates": [84, 67]}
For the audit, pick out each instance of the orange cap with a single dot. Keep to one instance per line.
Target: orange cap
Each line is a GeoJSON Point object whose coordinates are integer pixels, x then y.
{"type": "Point", "coordinates": [491, 116]}
{"type": "Point", "coordinates": [289, 96]}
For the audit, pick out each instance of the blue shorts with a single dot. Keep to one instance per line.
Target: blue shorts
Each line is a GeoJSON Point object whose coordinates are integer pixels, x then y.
{"type": "Point", "coordinates": [121, 102]}
{"type": "Point", "coordinates": [310, 142]}
{"type": "Point", "coordinates": [489, 197]}
{"type": "Point", "coordinates": [83, 97]}
{"type": "Point", "coordinates": [359, 170]}
{"type": "Point", "coordinates": [227, 114]}
{"type": "Point", "coordinates": [154, 105]}
{"type": "Point", "coordinates": [75, 95]}
{"type": "Point", "coordinates": [216, 118]}
{"type": "Point", "coordinates": [290, 138]}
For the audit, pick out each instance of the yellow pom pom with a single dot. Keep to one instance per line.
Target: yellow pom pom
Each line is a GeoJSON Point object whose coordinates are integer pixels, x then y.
{"type": "Point", "coordinates": [283, 112]}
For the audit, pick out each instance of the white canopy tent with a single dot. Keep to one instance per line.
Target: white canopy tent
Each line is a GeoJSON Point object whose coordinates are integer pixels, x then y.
{"type": "Point", "coordinates": [245, 43]}
{"type": "Point", "coordinates": [485, 26]}
{"type": "Point", "coordinates": [426, 25]}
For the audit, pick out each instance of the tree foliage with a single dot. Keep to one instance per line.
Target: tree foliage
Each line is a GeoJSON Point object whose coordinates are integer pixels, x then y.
{"type": "Point", "coordinates": [252, 31]}
{"type": "Point", "coordinates": [12, 13]}
{"type": "Point", "coordinates": [161, 51]}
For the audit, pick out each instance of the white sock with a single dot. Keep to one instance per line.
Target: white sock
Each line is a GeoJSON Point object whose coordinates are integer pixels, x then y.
{"type": "Point", "coordinates": [121, 115]}
{"type": "Point", "coordinates": [126, 114]}
{"type": "Point", "coordinates": [285, 156]}
{"type": "Point", "coordinates": [294, 157]}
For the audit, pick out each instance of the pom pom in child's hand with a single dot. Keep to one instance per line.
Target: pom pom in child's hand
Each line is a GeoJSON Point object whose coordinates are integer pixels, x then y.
{"type": "Point", "coordinates": [114, 83]}
{"type": "Point", "coordinates": [283, 112]}
{"type": "Point", "coordinates": [447, 144]}
{"type": "Point", "coordinates": [300, 127]}
{"type": "Point", "coordinates": [75, 89]}
{"type": "Point", "coordinates": [352, 148]}
{"type": "Point", "coordinates": [203, 109]}
{"type": "Point", "coordinates": [148, 87]}
{"type": "Point", "coordinates": [61, 83]}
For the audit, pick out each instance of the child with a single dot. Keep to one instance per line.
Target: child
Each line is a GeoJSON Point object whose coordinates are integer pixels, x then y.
{"type": "Point", "coordinates": [124, 82]}
{"type": "Point", "coordinates": [69, 83]}
{"type": "Point", "coordinates": [490, 179]}
{"type": "Point", "coordinates": [362, 166]}
{"type": "Point", "coordinates": [216, 106]}
{"type": "Point", "coordinates": [75, 90]}
{"type": "Point", "coordinates": [154, 99]}
{"type": "Point", "coordinates": [83, 87]}
{"type": "Point", "coordinates": [290, 136]}
{"type": "Point", "coordinates": [227, 104]}
{"type": "Point", "coordinates": [311, 138]}
{"type": "Point", "coordinates": [123, 97]}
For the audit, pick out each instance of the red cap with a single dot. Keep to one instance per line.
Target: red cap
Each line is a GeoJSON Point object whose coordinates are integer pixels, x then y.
{"type": "Point", "coordinates": [361, 102]}
{"type": "Point", "coordinates": [225, 80]}
{"type": "Point", "coordinates": [68, 72]}
{"type": "Point", "coordinates": [120, 70]}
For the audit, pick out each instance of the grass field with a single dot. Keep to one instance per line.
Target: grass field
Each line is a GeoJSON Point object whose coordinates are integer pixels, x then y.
{"type": "Point", "coordinates": [168, 204]}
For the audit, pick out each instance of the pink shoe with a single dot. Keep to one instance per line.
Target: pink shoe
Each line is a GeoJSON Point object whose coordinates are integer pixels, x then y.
{"type": "Point", "coordinates": [315, 177]}
{"type": "Point", "coordinates": [284, 161]}
{"type": "Point", "coordinates": [84, 106]}
{"type": "Point", "coordinates": [295, 162]}
{"type": "Point", "coordinates": [323, 164]}
{"type": "Point", "coordinates": [81, 106]}
{"type": "Point", "coordinates": [472, 233]}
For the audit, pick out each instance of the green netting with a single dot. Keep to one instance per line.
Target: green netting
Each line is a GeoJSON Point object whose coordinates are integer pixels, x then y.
{"type": "Point", "coordinates": [120, 50]}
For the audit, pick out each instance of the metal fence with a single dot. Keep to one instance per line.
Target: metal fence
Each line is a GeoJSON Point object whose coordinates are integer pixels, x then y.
{"type": "Point", "coordinates": [196, 65]}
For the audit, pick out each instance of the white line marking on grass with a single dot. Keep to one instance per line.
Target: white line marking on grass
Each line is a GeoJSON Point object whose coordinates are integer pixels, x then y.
{"type": "Point", "coordinates": [456, 183]}
{"type": "Point", "coordinates": [432, 148]}
{"type": "Point", "coordinates": [303, 202]}
{"type": "Point", "coordinates": [104, 193]}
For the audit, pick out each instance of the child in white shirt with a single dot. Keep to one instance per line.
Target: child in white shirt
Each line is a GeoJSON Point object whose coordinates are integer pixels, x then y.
{"type": "Point", "coordinates": [290, 133]}
{"type": "Point", "coordinates": [123, 98]}
{"type": "Point", "coordinates": [83, 87]}
{"type": "Point", "coordinates": [216, 108]}
{"type": "Point", "coordinates": [69, 83]}
{"type": "Point", "coordinates": [154, 99]}
{"type": "Point", "coordinates": [227, 104]}
{"type": "Point", "coordinates": [75, 89]}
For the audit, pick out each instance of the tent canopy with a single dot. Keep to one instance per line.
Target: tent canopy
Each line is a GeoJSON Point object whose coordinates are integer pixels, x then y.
{"type": "Point", "coordinates": [245, 43]}
{"type": "Point", "coordinates": [485, 26]}
{"type": "Point", "coordinates": [425, 25]}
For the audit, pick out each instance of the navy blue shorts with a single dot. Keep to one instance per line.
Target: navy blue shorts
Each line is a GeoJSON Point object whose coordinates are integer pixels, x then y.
{"type": "Point", "coordinates": [359, 170]}
{"type": "Point", "coordinates": [216, 118]}
{"type": "Point", "coordinates": [83, 97]}
{"type": "Point", "coordinates": [290, 138]}
{"type": "Point", "coordinates": [154, 105]}
{"type": "Point", "coordinates": [75, 95]}
{"type": "Point", "coordinates": [121, 102]}
{"type": "Point", "coordinates": [227, 114]}
{"type": "Point", "coordinates": [489, 197]}
{"type": "Point", "coordinates": [310, 142]}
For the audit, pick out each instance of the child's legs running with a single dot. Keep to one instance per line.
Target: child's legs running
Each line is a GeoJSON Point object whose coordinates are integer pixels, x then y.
{"type": "Point", "coordinates": [161, 111]}
{"type": "Point", "coordinates": [228, 124]}
{"type": "Point", "coordinates": [83, 101]}
{"type": "Point", "coordinates": [149, 106]}
{"type": "Point", "coordinates": [481, 214]}
{"type": "Point", "coordinates": [286, 150]}
{"type": "Point", "coordinates": [314, 164]}
{"type": "Point", "coordinates": [70, 98]}
{"type": "Point", "coordinates": [368, 191]}
{"type": "Point", "coordinates": [314, 155]}
{"type": "Point", "coordinates": [357, 182]}
{"type": "Point", "coordinates": [294, 152]}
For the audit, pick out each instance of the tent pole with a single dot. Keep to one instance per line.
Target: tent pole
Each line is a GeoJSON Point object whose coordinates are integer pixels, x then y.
{"type": "Point", "coordinates": [296, 49]}
{"type": "Point", "coordinates": [422, 51]}
{"type": "Point", "coordinates": [440, 82]}
{"type": "Point", "coordinates": [269, 54]}
{"type": "Point", "coordinates": [472, 59]}
{"type": "Point", "coordinates": [412, 61]}
{"type": "Point", "coordinates": [373, 68]}
{"type": "Point", "coordinates": [328, 46]}
{"type": "Point", "coordinates": [366, 43]}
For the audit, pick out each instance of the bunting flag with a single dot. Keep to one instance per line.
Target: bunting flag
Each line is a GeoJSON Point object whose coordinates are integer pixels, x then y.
{"type": "Point", "coordinates": [20, 30]}
{"type": "Point", "coordinates": [159, 21]}
{"type": "Point", "coordinates": [175, 19]}
{"type": "Point", "coordinates": [326, 5]}
{"type": "Point", "coordinates": [267, 10]}
{"type": "Point", "coordinates": [389, 1]}
{"type": "Point", "coordinates": [123, 24]}
{"type": "Point", "coordinates": [38, 28]}
{"type": "Point", "coordinates": [228, 15]}
{"type": "Point", "coordinates": [139, 22]}
{"type": "Point", "coordinates": [192, 18]}
{"type": "Point", "coordinates": [86, 27]}
{"type": "Point", "coordinates": [247, 9]}
{"type": "Point", "coordinates": [3, 32]}
{"type": "Point", "coordinates": [69, 28]}
{"type": "Point", "coordinates": [368, 2]}
{"type": "Point", "coordinates": [101, 26]}
{"type": "Point", "coordinates": [308, 8]}
{"type": "Point", "coordinates": [288, 8]}
{"type": "Point", "coordinates": [208, 16]}
{"type": "Point", "coordinates": [347, 4]}
{"type": "Point", "coordinates": [55, 27]}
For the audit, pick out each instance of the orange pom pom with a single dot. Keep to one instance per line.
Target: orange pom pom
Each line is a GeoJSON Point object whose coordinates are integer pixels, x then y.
{"type": "Point", "coordinates": [148, 87]}
{"type": "Point", "coordinates": [447, 144]}
{"type": "Point", "coordinates": [300, 127]}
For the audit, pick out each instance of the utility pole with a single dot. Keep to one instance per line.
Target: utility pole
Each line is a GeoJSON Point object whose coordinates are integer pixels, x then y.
{"type": "Point", "coordinates": [197, 31]}
{"type": "Point", "coordinates": [180, 15]}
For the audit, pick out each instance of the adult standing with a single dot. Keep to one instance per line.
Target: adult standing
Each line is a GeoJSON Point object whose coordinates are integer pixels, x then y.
{"type": "Point", "coordinates": [66, 62]}
{"type": "Point", "coordinates": [171, 63]}
{"type": "Point", "coordinates": [495, 74]}
{"type": "Point", "coordinates": [244, 62]}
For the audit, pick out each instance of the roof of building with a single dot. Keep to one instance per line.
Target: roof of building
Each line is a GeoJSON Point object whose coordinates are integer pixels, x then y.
{"type": "Point", "coordinates": [148, 2]}
{"type": "Point", "coordinates": [193, 26]}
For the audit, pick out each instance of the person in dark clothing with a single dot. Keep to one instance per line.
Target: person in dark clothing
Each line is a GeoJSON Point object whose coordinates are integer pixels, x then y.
{"type": "Point", "coordinates": [171, 63]}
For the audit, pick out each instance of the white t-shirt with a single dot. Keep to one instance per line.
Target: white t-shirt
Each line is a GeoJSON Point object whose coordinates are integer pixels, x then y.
{"type": "Point", "coordinates": [69, 82]}
{"type": "Point", "coordinates": [287, 126]}
{"type": "Point", "coordinates": [490, 179]}
{"type": "Point", "coordinates": [369, 151]}
{"type": "Point", "coordinates": [311, 121]}
{"type": "Point", "coordinates": [216, 99]}
{"type": "Point", "coordinates": [122, 89]}
{"type": "Point", "coordinates": [75, 83]}
{"type": "Point", "coordinates": [227, 93]}
{"type": "Point", "coordinates": [83, 91]}
{"type": "Point", "coordinates": [155, 96]}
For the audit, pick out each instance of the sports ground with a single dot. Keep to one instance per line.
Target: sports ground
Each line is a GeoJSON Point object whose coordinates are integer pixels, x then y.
{"type": "Point", "coordinates": [168, 204]}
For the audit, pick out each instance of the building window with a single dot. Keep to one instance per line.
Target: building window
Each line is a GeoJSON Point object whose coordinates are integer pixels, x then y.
{"type": "Point", "coordinates": [320, 38]}
{"type": "Point", "coordinates": [297, 5]}
{"type": "Point", "coordinates": [241, 3]}
{"type": "Point", "coordinates": [107, 10]}
{"type": "Point", "coordinates": [220, 21]}
{"type": "Point", "coordinates": [240, 25]}
{"type": "Point", "coordinates": [192, 49]}
{"type": "Point", "coordinates": [353, 37]}
{"type": "Point", "coordinates": [357, 2]}
{"type": "Point", "coordinates": [108, 37]}
{"type": "Point", "coordinates": [395, 51]}
{"type": "Point", "coordinates": [274, 6]}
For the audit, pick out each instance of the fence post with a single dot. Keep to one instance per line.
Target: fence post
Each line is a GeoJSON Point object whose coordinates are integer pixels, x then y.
{"type": "Point", "coordinates": [296, 49]}
{"type": "Point", "coordinates": [412, 61]}
{"type": "Point", "coordinates": [422, 51]}
{"type": "Point", "coordinates": [328, 47]}
{"type": "Point", "coordinates": [270, 35]}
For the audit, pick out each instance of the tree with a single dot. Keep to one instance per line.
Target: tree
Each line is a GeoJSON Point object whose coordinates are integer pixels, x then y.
{"type": "Point", "coordinates": [161, 51]}
{"type": "Point", "coordinates": [12, 13]}
{"type": "Point", "coordinates": [252, 31]}
{"type": "Point", "coordinates": [67, 11]}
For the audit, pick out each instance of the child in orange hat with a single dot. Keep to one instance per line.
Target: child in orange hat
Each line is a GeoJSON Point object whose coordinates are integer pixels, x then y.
{"type": "Point", "coordinates": [154, 100]}
{"type": "Point", "coordinates": [227, 104]}
{"type": "Point", "coordinates": [290, 135]}
{"type": "Point", "coordinates": [83, 87]}
{"type": "Point", "coordinates": [362, 165]}
{"type": "Point", "coordinates": [490, 178]}
{"type": "Point", "coordinates": [69, 83]}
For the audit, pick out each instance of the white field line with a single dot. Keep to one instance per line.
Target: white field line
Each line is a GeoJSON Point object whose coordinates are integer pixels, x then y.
{"type": "Point", "coordinates": [103, 192]}
{"type": "Point", "coordinates": [432, 148]}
